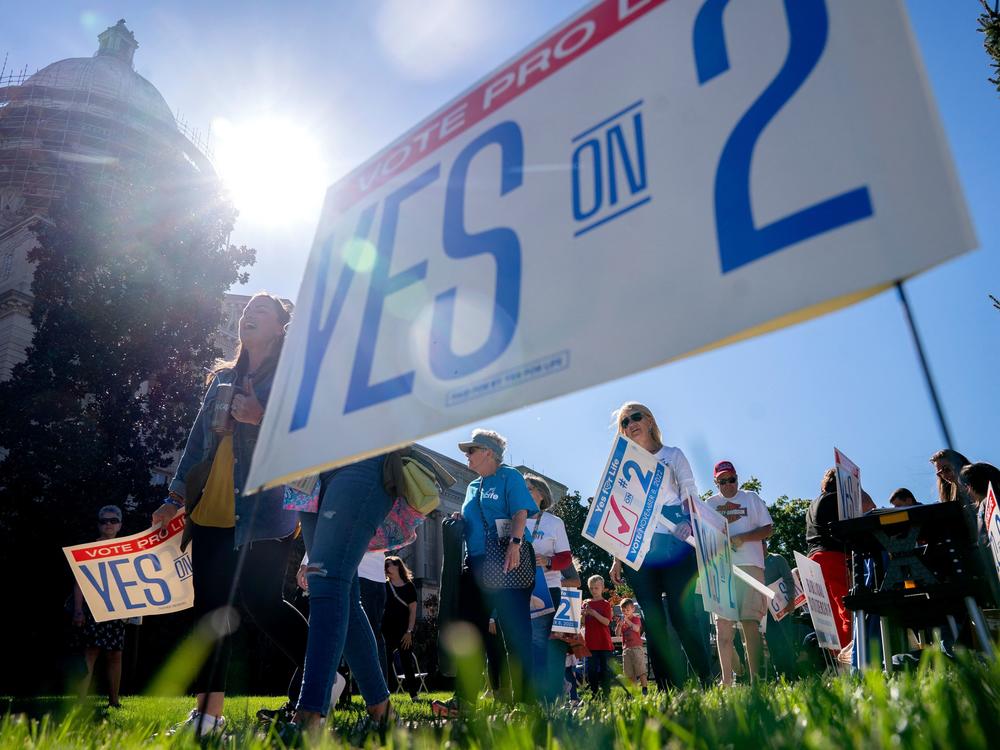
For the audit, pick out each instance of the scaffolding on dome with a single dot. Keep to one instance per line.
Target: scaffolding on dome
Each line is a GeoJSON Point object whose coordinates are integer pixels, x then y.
{"type": "Point", "coordinates": [52, 128]}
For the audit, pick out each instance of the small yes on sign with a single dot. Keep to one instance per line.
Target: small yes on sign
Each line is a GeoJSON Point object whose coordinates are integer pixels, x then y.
{"type": "Point", "coordinates": [138, 575]}
{"type": "Point", "coordinates": [707, 147]}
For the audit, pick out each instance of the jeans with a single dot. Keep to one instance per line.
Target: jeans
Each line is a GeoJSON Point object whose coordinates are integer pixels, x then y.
{"type": "Point", "coordinates": [258, 593]}
{"type": "Point", "coordinates": [352, 506]}
{"type": "Point", "coordinates": [394, 647]}
{"type": "Point", "coordinates": [671, 569]}
{"type": "Point", "coordinates": [549, 655]}
{"type": "Point", "coordinates": [513, 608]}
{"type": "Point", "coordinates": [599, 672]}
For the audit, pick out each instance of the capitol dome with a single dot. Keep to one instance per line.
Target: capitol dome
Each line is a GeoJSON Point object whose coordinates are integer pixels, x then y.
{"type": "Point", "coordinates": [88, 113]}
{"type": "Point", "coordinates": [107, 74]}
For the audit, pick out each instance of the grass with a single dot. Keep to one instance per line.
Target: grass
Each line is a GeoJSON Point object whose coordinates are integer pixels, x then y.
{"type": "Point", "coordinates": [939, 705]}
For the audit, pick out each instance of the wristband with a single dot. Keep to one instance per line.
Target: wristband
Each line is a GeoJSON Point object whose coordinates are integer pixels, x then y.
{"type": "Point", "coordinates": [171, 500]}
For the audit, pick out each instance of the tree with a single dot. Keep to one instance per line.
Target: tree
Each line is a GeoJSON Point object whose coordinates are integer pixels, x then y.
{"type": "Point", "coordinates": [591, 559]}
{"type": "Point", "coordinates": [989, 25]}
{"type": "Point", "coordinates": [788, 518]}
{"type": "Point", "coordinates": [128, 292]}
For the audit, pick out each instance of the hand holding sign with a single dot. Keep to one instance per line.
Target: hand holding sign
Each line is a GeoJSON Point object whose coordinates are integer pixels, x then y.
{"type": "Point", "coordinates": [627, 503]}
{"type": "Point", "coordinates": [142, 574]}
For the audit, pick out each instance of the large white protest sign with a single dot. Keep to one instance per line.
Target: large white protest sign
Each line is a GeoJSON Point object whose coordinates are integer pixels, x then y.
{"type": "Point", "coordinates": [139, 575]}
{"type": "Point", "coordinates": [640, 163]}
{"type": "Point", "coordinates": [715, 561]}
{"type": "Point", "coordinates": [991, 516]}
{"type": "Point", "coordinates": [627, 503]}
{"type": "Point", "coordinates": [848, 486]}
{"type": "Point", "coordinates": [814, 587]}
{"type": "Point", "coordinates": [569, 612]}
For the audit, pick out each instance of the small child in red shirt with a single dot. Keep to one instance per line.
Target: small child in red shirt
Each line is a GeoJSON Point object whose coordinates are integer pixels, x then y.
{"type": "Point", "coordinates": [633, 653]}
{"type": "Point", "coordinates": [597, 614]}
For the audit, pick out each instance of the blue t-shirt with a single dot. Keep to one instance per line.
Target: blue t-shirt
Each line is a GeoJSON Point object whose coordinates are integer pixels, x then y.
{"type": "Point", "coordinates": [502, 495]}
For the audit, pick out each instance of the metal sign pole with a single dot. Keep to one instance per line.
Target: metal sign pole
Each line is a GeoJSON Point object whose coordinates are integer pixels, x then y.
{"type": "Point", "coordinates": [923, 364]}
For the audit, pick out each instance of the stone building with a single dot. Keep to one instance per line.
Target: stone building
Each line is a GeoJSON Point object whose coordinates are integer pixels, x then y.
{"type": "Point", "coordinates": [83, 116]}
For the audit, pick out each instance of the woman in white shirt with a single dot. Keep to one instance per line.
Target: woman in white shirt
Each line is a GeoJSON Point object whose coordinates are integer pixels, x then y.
{"type": "Point", "coordinates": [552, 555]}
{"type": "Point", "coordinates": [670, 569]}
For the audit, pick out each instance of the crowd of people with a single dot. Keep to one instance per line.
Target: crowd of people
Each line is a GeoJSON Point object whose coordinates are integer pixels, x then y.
{"type": "Point", "coordinates": [363, 605]}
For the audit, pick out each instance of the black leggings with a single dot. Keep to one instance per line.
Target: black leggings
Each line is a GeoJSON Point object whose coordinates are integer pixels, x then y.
{"type": "Point", "coordinates": [671, 569]}
{"type": "Point", "coordinates": [258, 595]}
{"type": "Point", "coordinates": [393, 643]}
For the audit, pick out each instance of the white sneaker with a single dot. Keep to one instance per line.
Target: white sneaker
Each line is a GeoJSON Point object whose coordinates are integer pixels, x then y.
{"type": "Point", "coordinates": [339, 683]}
{"type": "Point", "coordinates": [200, 724]}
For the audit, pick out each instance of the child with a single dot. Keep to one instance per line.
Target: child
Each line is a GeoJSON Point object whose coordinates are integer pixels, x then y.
{"type": "Point", "coordinates": [633, 652]}
{"type": "Point", "coordinates": [597, 615]}
{"type": "Point", "coordinates": [570, 677]}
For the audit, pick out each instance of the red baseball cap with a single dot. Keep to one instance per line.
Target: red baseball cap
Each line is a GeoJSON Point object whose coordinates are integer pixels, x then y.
{"type": "Point", "coordinates": [724, 467]}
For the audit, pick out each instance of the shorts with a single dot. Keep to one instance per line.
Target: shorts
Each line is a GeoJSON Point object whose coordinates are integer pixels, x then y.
{"type": "Point", "coordinates": [751, 604]}
{"type": "Point", "coordinates": [634, 662]}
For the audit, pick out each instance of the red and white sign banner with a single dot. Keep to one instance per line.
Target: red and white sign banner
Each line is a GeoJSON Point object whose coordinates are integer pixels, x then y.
{"type": "Point", "coordinates": [991, 517]}
{"type": "Point", "coordinates": [848, 486]}
{"type": "Point", "coordinates": [820, 610]}
{"type": "Point", "coordinates": [640, 162]}
{"type": "Point", "coordinates": [132, 576]}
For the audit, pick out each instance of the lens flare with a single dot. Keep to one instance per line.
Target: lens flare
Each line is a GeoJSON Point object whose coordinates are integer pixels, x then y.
{"type": "Point", "coordinates": [273, 167]}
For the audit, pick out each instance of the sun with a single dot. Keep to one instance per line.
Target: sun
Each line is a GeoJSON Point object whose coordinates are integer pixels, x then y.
{"type": "Point", "coordinates": [273, 168]}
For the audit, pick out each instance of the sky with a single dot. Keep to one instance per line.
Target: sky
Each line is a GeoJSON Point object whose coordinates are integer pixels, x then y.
{"type": "Point", "coordinates": [296, 94]}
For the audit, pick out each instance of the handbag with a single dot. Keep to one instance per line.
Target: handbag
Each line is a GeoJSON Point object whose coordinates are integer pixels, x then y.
{"type": "Point", "coordinates": [419, 487]}
{"type": "Point", "coordinates": [492, 576]}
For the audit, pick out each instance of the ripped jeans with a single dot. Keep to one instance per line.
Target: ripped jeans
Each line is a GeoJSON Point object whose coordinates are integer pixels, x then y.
{"type": "Point", "coordinates": [353, 504]}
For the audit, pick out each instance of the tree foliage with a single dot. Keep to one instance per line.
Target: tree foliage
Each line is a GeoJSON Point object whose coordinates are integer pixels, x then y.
{"type": "Point", "coordinates": [127, 296]}
{"type": "Point", "coordinates": [989, 26]}
{"type": "Point", "coordinates": [128, 293]}
{"type": "Point", "coordinates": [591, 559]}
{"type": "Point", "coordinates": [788, 518]}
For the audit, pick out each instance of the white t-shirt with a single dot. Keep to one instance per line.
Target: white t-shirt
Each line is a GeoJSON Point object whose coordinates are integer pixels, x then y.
{"type": "Point", "coordinates": [547, 541]}
{"type": "Point", "coordinates": [679, 486]}
{"type": "Point", "coordinates": [372, 567]}
{"type": "Point", "coordinates": [745, 512]}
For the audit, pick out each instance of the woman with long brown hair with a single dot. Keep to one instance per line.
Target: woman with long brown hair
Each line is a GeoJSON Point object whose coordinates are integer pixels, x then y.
{"type": "Point", "coordinates": [400, 618]}
{"type": "Point", "coordinates": [948, 465]}
{"type": "Point", "coordinates": [222, 521]}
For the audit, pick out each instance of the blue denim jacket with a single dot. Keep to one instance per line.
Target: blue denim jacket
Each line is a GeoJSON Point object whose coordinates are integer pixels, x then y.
{"type": "Point", "coordinates": [270, 521]}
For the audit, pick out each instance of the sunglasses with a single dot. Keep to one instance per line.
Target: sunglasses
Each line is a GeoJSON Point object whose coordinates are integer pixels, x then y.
{"type": "Point", "coordinates": [471, 450]}
{"type": "Point", "coordinates": [635, 416]}
{"type": "Point", "coordinates": [109, 520]}
{"type": "Point", "coordinates": [731, 480]}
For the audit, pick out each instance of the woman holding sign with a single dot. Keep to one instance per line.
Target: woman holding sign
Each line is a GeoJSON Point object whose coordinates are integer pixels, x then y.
{"type": "Point", "coordinates": [240, 543]}
{"type": "Point", "coordinates": [670, 568]}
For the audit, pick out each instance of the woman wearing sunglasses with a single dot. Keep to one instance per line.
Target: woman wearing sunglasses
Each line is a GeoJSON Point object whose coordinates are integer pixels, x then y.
{"type": "Point", "coordinates": [499, 493]}
{"type": "Point", "coordinates": [108, 636]}
{"type": "Point", "coordinates": [670, 568]}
